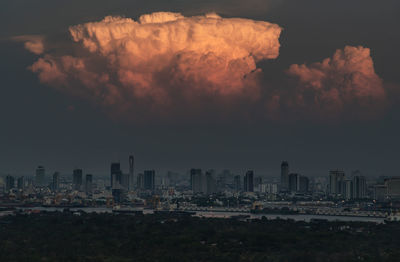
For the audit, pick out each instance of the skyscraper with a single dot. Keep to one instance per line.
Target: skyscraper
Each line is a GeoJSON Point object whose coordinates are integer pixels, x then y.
{"type": "Point", "coordinates": [77, 179]}
{"type": "Point", "coordinates": [211, 183]}
{"type": "Point", "coordinates": [56, 181]}
{"type": "Point", "coordinates": [304, 183]}
{"type": "Point", "coordinates": [248, 180]}
{"type": "Point", "coordinates": [294, 182]}
{"type": "Point", "coordinates": [140, 181]}
{"type": "Point", "coordinates": [116, 176]}
{"type": "Point", "coordinates": [131, 175]}
{"type": "Point", "coordinates": [237, 184]}
{"type": "Point", "coordinates": [89, 184]}
{"type": "Point", "coordinates": [21, 183]}
{"type": "Point", "coordinates": [149, 179]}
{"type": "Point", "coordinates": [336, 179]}
{"type": "Point", "coordinates": [10, 183]}
{"type": "Point", "coordinates": [359, 187]}
{"type": "Point", "coordinates": [197, 181]}
{"type": "Point", "coordinates": [284, 176]}
{"type": "Point", "coordinates": [40, 177]}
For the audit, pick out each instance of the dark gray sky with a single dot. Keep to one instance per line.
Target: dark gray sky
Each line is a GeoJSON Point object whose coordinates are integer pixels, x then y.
{"type": "Point", "coordinates": [37, 128]}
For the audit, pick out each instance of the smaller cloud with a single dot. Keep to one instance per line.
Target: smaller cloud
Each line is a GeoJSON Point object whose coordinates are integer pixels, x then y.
{"type": "Point", "coordinates": [344, 83]}
{"type": "Point", "coordinates": [32, 43]}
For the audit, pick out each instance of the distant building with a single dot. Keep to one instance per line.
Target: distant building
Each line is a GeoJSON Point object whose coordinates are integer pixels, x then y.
{"type": "Point", "coordinates": [77, 179]}
{"type": "Point", "coordinates": [336, 179]}
{"type": "Point", "coordinates": [237, 184]}
{"type": "Point", "coordinates": [294, 182]}
{"type": "Point", "coordinates": [257, 183]}
{"type": "Point", "coordinates": [392, 188]}
{"type": "Point", "coordinates": [211, 183]}
{"type": "Point", "coordinates": [10, 183]}
{"type": "Point", "coordinates": [248, 181]}
{"type": "Point", "coordinates": [40, 178]}
{"type": "Point", "coordinates": [197, 181]}
{"type": "Point", "coordinates": [131, 174]}
{"type": "Point", "coordinates": [140, 181]}
{"type": "Point", "coordinates": [284, 176]}
{"type": "Point", "coordinates": [56, 181]}
{"type": "Point", "coordinates": [359, 187]}
{"type": "Point", "coordinates": [304, 184]}
{"type": "Point", "coordinates": [89, 185]}
{"type": "Point", "coordinates": [21, 183]}
{"type": "Point", "coordinates": [116, 176]}
{"type": "Point", "coordinates": [149, 179]}
{"type": "Point", "coordinates": [348, 189]}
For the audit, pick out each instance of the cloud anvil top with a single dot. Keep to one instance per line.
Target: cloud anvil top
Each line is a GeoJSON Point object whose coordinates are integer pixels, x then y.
{"type": "Point", "coordinates": [165, 59]}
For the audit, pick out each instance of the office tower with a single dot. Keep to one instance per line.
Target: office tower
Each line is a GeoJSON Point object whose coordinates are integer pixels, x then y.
{"type": "Point", "coordinates": [40, 177]}
{"type": "Point", "coordinates": [89, 185]}
{"type": "Point", "coordinates": [211, 183]}
{"type": "Point", "coordinates": [304, 184]}
{"type": "Point", "coordinates": [140, 181]}
{"type": "Point", "coordinates": [77, 179]}
{"type": "Point", "coordinates": [336, 178]}
{"type": "Point", "coordinates": [249, 181]}
{"type": "Point", "coordinates": [10, 183]}
{"type": "Point", "coordinates": [359, 187]}
{"type": "Point", "coordinates": [116, 176]}
{"type": "Point", "coordinates": [284, 176]}
{"type": "Point", "coordinates": [131, 175]}
{"type": "Point", "coordinates": [21, 183]}
{"type": "Point", "coordinates": [196, 180]}
{"type": "Point", "coordinates": [348, 189]}
{"type": "Point", "coordinates": [257, 183]}
{"type": "Point", "coordinates": [56, 181]}
{"type": "Point", "coordinates": [237, 184]}
{"type": "Point", "coordinates": [125, 181]}
{"type": "Point", "coordinates": [149, 179]}
{"type": "Point", "coordinates": [294, 182]}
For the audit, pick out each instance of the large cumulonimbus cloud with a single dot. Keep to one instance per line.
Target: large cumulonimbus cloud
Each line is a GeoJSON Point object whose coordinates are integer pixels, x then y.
{"type": "Point", "coordinates": [346, 82]}
{"type": "Point", "coordinates": [163, 56]}
{"type": "Point", "coordinates": [167, 63]}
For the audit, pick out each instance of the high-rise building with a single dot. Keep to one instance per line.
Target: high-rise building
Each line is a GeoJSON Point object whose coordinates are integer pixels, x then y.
{"type": "Point", "coordinates": [10, 183]}
{"type": "Point", "coordinates": [284, 176]}
{"type": "Point", "coordinates": [149, 179]}
{"type": "Point", "coordinates": [348, 188]}
{"type": "Point", "coordinates": [303, 185]}
{"type": "Point", "coordinates": [140, 181]}
{"type": "Point", "coordinates": [197, 181]}
{"type": "Point", "coordinates": [237, 184]}
{"type": "Point", "coordinates": [131, 174]}
{"type": "Point", "coordinates": [56, 181]}
{"type": "Point", "coordinates": [116, 176]}
{"type": "Point", "coordinates": [336, 179]}
{"type": "Point", "coordinates": [77, 177]}
{"type": "Point", "coordinates": [257, 183]}
{"type": "Point", "coordinates": [40, 177]}
{"type": "Point", "coordinates": [21, 183]}
{"type": "Point", "coordinates": [211, 183]}
{"type": "Point", "coordinates": [359, 187]}
{"type": "Point", "coordinates": [294, 182]}
{"type": "Point", "coordinates": [89, 184]}
{"type": "Point", "coordinates": [248, 180]}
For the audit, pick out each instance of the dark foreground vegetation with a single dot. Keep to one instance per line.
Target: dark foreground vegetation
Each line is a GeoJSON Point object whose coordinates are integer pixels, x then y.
{"type": "Point", "coordinates": [162, 237]}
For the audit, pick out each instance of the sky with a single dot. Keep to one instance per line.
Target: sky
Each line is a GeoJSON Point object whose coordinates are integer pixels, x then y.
{"type": "Point", "coordinates": [224, 84]}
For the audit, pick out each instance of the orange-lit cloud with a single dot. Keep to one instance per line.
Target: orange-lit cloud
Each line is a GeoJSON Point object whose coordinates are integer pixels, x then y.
{"type": "Point", "coordinates": [340, 84]}
{"type": "Point", "coordinates": [32, 43]}
{"type": "Point", "coordinates": [161, 56]}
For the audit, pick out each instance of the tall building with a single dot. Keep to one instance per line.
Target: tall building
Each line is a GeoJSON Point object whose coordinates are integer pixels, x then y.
{"type": "Point", "coordinates": [21, 183]}
{"type": "Point", "coordinates": [211, 183]}
{"type": "Point", "coordinates": [10, 183]}
{"type": "Point", "coordinates": [336, 179]}
{"type": "Point", "coordinates": [149, 179]}
{"type": "Point", "coordinates": [140, 181]}
{"type": "Point", "coordinates": [131, 175]}
{"type": "Point", "coordinates": [304, 184]}
{"type": "Point", "coordinates": [197, 181]}
{"type": "Point", "coordinates": [77, 179]}
{"type": "Point", "coordinates": [284, 176]}
{"type": "Point", "coordinates": [40, 177]}
{"type": "Point", "coordinates": [237, 184]}
{"type": "Point", "coordinates": [56, 181]}
{"type": "Point", "coordinates": [248, 180]}
{"type": "Point", "coordinates": [257, 183]}
{"type": "Point", "coordinates": [294, 182]}
{"type": "Point", "coordinates": [348, 188]}
{"type": "Point", "coordinates": [116, 176]}
{"type": "Point", "coordinates": [359, 187]}
{"type": "Point", "coordinates": [89, 185]}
